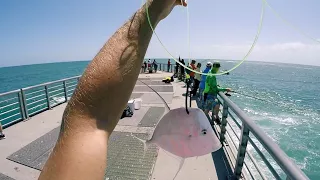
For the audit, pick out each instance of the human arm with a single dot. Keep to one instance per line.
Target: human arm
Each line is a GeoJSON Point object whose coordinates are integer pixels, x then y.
{"type": "Point", "coordinates": [100, 97]}
{"type": "Point", "coordinates": [212, 87]}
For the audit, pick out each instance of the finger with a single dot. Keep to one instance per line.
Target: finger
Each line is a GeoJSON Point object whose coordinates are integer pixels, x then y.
{"type": "Point", "coordinates": [181, 2]}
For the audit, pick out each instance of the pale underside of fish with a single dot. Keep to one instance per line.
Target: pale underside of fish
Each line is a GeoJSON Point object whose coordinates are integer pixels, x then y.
{"type": "Point", "coordinates": [183, 135]}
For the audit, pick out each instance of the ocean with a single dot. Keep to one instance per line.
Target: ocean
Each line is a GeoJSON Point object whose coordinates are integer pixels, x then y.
{"type": "Point", "coordinates": [291, 115]}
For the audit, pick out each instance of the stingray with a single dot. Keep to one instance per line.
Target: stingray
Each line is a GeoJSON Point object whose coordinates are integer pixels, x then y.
{"type": "Point", "coordinates": [183, 135]}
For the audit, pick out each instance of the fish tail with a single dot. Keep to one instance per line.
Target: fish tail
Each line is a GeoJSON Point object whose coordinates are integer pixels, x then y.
{"type": "Point", "coordinates": [145, 144]}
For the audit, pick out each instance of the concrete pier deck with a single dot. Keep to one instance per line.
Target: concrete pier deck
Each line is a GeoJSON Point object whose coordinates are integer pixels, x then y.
{"type": "Point", "coordinates": [29, 143]}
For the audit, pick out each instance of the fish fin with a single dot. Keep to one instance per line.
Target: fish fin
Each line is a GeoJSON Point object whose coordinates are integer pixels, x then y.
{"type": "Point", "coordinates": [145, 144]}
{"type": "Point", "coordinates": [180, 167]}
{"type": "Point", "coordinates": [167, 108]}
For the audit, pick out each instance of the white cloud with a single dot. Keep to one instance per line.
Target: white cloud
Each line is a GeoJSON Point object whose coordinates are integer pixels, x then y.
{"type": "Point", "coordinates": [289, 52]}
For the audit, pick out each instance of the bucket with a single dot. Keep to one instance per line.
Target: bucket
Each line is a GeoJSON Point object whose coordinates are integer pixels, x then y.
{"type": "Point", "coordinates": [131, 105]}
{"type": "Point", "coordinates": [137, 103]}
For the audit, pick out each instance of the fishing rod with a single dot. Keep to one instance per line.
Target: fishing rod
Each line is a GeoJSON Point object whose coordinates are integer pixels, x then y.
{"type": "Point", "coordinates": [253, 97]}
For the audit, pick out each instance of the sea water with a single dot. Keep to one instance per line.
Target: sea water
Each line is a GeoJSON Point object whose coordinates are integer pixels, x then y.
{"type": "Point", "coordinates": [291, 117]}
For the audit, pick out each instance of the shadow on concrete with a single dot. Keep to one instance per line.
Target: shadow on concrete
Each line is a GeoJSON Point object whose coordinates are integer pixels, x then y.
{"type": "Point", "coordinates": [220, 160]}
{"type": "Point", "coordinates": [222, 165]}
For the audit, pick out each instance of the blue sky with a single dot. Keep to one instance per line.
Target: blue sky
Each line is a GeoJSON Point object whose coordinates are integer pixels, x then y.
{"type": "Point", "coordinates": [37, 31]}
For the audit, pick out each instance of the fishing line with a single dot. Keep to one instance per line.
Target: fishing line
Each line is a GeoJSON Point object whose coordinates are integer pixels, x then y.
{"type": "Point", "coordinates": [290, 24]}
{"type": "Point", "coordinates": [251, 96]}
{"type": "Point", "coordinates": [210, 74]}
{"type": "Point", "coordinates": [165, 103]}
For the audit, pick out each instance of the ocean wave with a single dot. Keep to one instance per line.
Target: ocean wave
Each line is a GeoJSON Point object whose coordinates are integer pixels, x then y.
{"type": "Point", "coordinates": [58, 100]}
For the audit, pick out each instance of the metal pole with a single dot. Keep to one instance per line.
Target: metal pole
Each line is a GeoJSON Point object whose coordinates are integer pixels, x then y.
{"type": "Point", "coordinates": [24, 103]}
{"type": "Point", "coordinates": [47, 96]}
{"type": "Point", "coordinates": [22, 109]}
{"type": "Point", "coordinates": [65, 90]}
{"type": "Point", "coordinates": [241, 151]}
{"type": "Point", "coordinates": [224, 122]}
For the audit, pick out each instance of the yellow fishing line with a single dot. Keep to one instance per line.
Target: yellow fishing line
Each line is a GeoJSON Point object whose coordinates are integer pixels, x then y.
{"type": "Point", "coordinates": [288, 23]}
{"type": "Point", "coordinates": [210, 74]}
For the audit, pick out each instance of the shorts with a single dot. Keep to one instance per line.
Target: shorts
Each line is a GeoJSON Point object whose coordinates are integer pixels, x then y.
{"type": "Point", "coordinates": [210, 102]}
{"type": "Point", "coordinates": [201, 94]}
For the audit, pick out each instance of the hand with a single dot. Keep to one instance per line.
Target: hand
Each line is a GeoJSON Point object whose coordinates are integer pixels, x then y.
{"type": "Point", "coordinates": [166, 6]}
{"type": "Point", "coordinates": [228, 89]}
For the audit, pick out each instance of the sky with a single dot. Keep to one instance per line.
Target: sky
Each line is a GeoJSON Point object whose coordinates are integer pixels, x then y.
{"type": "Point", "coordinates": [38, 31]}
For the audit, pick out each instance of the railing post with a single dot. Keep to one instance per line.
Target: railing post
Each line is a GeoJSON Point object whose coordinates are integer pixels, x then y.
{"type": "Point", "coordinates": [24, 104]}
{"type": "Point", "coordinates": [47, 96]}
{"type": "Point", "coordinates": [224, 122]}
{"type": "Point", "coordinates": [65, 90]}
{"type": "Point", "coordinates": [241, 151]}
{"type": "Point", "coordinates": [21, 104]}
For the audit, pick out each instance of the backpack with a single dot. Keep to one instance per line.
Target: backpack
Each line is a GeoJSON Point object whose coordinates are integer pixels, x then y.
{"type": "Point", "coordinates": [127, 112]}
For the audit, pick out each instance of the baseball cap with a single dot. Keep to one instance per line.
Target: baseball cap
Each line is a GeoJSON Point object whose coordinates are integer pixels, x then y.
{"type": "Point", "coordinates": [209, 64]}
{"type": "Point", "coordinates": [216, 64]}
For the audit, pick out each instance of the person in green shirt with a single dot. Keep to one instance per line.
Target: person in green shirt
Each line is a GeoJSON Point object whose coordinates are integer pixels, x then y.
{"type": "Point", "coordinates": [211, 91]}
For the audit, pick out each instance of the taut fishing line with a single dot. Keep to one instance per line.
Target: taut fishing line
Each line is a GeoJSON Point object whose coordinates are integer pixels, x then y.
{"type": "Point", "coordinates": [288, 23]}
{"type": "Point", "coordinates": [210, 74]}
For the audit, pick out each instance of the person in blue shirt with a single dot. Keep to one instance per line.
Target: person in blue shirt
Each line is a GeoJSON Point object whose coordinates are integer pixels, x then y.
{"type": "Point", "coordinates": [203, 81]}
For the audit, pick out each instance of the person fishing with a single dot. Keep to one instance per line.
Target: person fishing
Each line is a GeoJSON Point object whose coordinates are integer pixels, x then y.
{"type": "Point", "coordinates": [203, 82]}
{"type": "Point", "coordinates": [197, 79]}
{"type": "Point", "coordinates": [1, 132]}
{"type": "Point", "coordinates": [210, 93]}
{"type": "Point", "coordinates": [193, 67]}
{"type": "Point", "coordinates": [155, 65]}
{"type": "Point", "coordinates": [99, 99]}
{"type": "Point", "coordinates": [182, 74]}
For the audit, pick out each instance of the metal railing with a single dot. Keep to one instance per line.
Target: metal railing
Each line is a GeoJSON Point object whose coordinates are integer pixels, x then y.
{"type": "Point", "coordinates": [21, 104]}
{"type": "Point", "coordinates": [163, 67]}
{"type": "Point", "coordinates": [246, 126]}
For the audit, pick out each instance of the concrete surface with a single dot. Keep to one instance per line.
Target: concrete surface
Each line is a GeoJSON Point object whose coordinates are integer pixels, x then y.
{"type": "Point", "coordinates": [166, 165]}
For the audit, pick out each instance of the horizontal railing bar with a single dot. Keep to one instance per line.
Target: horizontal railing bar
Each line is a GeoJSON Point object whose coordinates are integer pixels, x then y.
{"type": "Point", "coordinates": [35, 97]}
{"type": "Point", "coordinates": [34, 92]}
{"type": "Point", "coordinates": [270, 167]}
{"type": "Point", "coordinates": [9, 111]}
{"type": "Point", "coordinates": [249, 154]}
{"type": "Point", "coordinates": [52, 87]}
{"type": "Point", "coordinates": [10, 92]}
{"type": "Point", "coordinates": [36, 101]}
{"type": "Point", "coordinates": [73, 85]}
{"type": "Point", "coordinates": [265, 160]}
{"type": "Point", "coordinates": [235, 121]}
{"type": "Point", "coordinates": [7, 100]}
{"type": "Point", "coordinates": [286, 164]}
{"type": "Point", "coordinates": [50, 92]}
{"type": "Point", "coordinates": [70, 90]}
{"type": "Point", "coordinates": [12, 122]}
{"type": "Point", "coordinates": [38, 111]}
{"type": "Point", "coordinates": [72, 82]}
{"type": "Point", "coordinates": [48, 83]}
{"type": "Point", "coordinates": [9, 117]}
{"type": "Point", "coordinates": [38, 106]}
{"type": "Point", "coordinates": [234, 144]}
{"type": "Point", "coordinates": [56, 95]}
{"type": "Point", "coordinates": [9, 105]}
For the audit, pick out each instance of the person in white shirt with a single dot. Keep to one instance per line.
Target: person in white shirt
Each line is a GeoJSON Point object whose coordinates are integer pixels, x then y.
{"type": "Point", "coordinates": [197, 79]}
